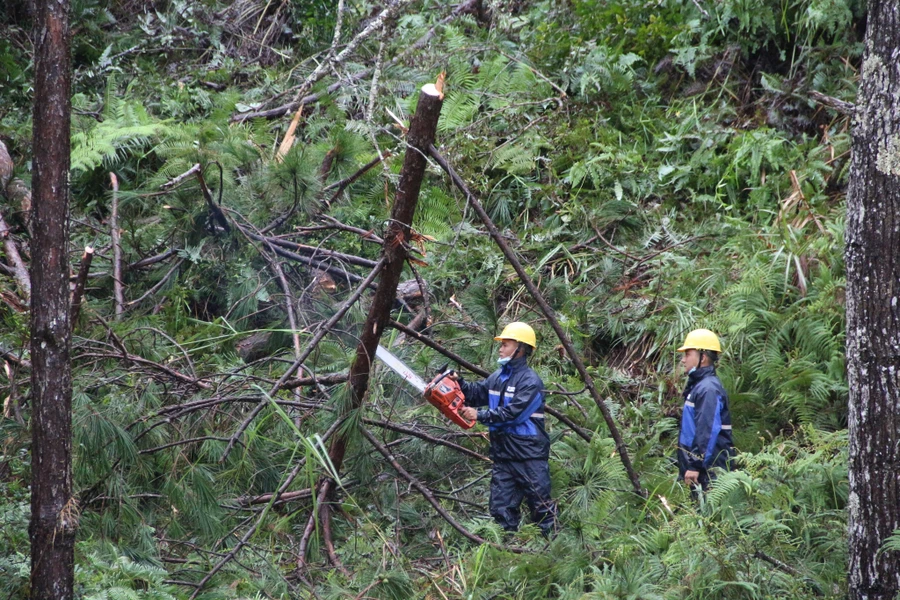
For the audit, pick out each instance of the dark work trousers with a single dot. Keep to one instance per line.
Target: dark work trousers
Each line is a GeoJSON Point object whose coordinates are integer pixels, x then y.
{"type": "Point", "coordinates": [511, 482]}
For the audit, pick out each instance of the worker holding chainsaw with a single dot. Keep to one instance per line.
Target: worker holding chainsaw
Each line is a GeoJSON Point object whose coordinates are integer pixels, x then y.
{"type": "Point", "coordinates": [511, 403]}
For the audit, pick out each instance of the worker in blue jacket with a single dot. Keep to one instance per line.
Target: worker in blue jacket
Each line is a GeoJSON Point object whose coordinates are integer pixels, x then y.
{"type": "Point", "coordinates": [705, 439]}
{"type": "Point", "coordinates": [511, 403]}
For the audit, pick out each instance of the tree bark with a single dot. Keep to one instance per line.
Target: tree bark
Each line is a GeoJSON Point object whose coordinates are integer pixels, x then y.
{"type": "Point", "coordinates": [873, 315]}
{"type": "Point", "coordinates": [422, 130]}
{"type": "Point", "coordinates": [54, 512]}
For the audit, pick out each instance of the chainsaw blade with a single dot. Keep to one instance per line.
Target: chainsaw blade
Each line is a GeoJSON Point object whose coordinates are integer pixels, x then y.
{"type": "Point", "coordinates": [401, 369]}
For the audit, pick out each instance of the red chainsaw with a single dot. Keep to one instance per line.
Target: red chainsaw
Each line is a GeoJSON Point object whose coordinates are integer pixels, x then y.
{"type": "Point", "coordinates": [442, 392]}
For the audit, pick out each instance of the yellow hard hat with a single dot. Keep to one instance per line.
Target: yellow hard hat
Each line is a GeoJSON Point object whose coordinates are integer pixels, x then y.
{"type": "Point", "coordinates": [701, 339]}
{"type": "Point", "coordinates": [520, 332]}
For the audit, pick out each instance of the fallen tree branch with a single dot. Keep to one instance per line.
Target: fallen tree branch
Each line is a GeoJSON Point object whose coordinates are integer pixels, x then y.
{"type": "Point", "coordinates": [436, 346]}
{"type": "Point", "coordinates": [273, 113]}
{"type": "Point", "coordinates": [115, 236]}
{"type": "Point", "coordinates": [152, 260]}
{"type": "Point", "coordinates": [125, 355]}
{"type": "Point", "coordinates": [158, 286]}
{"type": "Point", "coordinates": [80, 282]}
{"type": "Point", "coordinates": [841, 106]}
{"type": "Point", "coordinates": [426, 493]}
{"type": "Point", "coordinates": [20, 271]}
{"type": "Point", "coordinates": [175, 182]}
{"type": "Point", "coordinates": [342, 184]}
{"type": "Point", "coordinates": [364, 234]}
{"type": "Point", "coordinates": [549, 314]}
{"type": "Point", "coordinates": [323, 331]}
{"type": "Point", "coordinates": [424, 436]}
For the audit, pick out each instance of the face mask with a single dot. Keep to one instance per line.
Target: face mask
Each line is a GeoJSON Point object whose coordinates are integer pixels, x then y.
{"type": "Point", "coordinates": [504, 361]}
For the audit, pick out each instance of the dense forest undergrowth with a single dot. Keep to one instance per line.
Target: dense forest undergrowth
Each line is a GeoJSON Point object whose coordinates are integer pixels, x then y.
{"type": "Point", "coordinates": [657, 166]}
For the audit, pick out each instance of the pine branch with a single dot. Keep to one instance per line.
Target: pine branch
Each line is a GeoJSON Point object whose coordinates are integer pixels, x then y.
{"type": "Point", "coordinates": [323, 331]}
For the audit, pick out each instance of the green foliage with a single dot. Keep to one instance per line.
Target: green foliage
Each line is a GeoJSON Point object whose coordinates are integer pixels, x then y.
{"type": "Point", "coordinates": [654, 170]}
{"type": "Point", "coordinates": [126, 128]}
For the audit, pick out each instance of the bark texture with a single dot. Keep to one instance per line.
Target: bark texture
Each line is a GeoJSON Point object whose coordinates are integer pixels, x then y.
{"type": "Point", "coordinates": [54, 512]}
{"type": "Point", "coordinates": [422, 129]}
{"type": "Point", "coordinates": [873, 315]}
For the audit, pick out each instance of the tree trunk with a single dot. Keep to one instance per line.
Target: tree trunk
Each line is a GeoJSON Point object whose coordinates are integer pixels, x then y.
{"type": "Point", "coordinates": [54, 512]}
{"type": "Point", "coordinates": [422, 130]}
{"type": "Point", "coordinates": [873, 314]}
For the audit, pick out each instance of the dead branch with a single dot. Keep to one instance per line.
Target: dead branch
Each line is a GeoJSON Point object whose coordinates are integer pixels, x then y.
{"type": "Point", "coordinates": [841, 106]}
{"type": "Point", "coordinates": [327, 538]}
{"type": "Point", "coordinates": [280, 498]}
{"type": "Point", "coordinates": [152, 260]}
{"type": "Point", "coordinates": [126, 355]}
{"type": "Point", "coordinates": [159, 285]}
{"type": "Point", "coordinates": [175, 182]}
{"type": "Point", "coordinates": [422, 489]}
{"type": "Point", "coordinates": [467, 7]}
{"type": "Point", "coordinates": [21, 276]}
{"type": "Point", "coordinates": [182, 443]}
{"type": "Point", "coordinates": [366, 235]}
{"type": "Point", "coordinates": [424, 436]}
{"type": "Point", "coordinates": [342, 184]}
{"type": "Point", "coordinates": [139, 360]}
{"type": "Point", "coordinates": [334, 60]}
{"type": "Point", "coordinates": [250, 532]}
{"type": "Point", "coordinates": [551, 318]}
{"type": "Point", "coordinates": [315, 251]}
{"type": "Point", "coordinates": [280, 247]}
{"type": "Point", "coordinates": [324, 489]}
{"type": "Point", "coordinates": [80, 282]}
{"type": "Point", "coordinates": [786, 568]}
{"type": "Point", "coordinates": [314, 381]}
{"type": "Point", "coordinates": [115, 236]}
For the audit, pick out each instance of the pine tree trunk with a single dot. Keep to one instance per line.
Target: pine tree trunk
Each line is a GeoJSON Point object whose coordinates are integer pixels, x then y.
{"type": "Point", "coordinates": [873, 311]}
{"type": "Point", "coordinates": [422, 129]}
{"type": "Point", "coordinates": [54, 513]}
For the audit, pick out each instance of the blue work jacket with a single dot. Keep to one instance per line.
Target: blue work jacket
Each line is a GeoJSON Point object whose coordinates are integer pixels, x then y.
{"type": "Point", "coordinates": [514, 399]}
{"type": "Point", "coordinates": [705, 438]}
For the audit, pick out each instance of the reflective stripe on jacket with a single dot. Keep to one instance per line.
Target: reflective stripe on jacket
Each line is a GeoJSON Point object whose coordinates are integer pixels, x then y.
{"type": "Point", "coordinates": [705, 439]}
{"type": "Point", "coordinates": [514, 399]}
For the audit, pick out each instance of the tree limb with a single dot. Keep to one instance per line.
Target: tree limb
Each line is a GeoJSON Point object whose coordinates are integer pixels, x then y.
{"type": "Point", "coordinates": [323, 331]}
{"type": "Point", "coordinates": [549, 313]}
{"type": "Point", "coordinates": [422, 489]}
{"type": "Point", "coordinates": [23, 279]}
{"type": "Point", "coordinates": [115, 236]}
{"type": "Point", "coordinates": [80, 281]}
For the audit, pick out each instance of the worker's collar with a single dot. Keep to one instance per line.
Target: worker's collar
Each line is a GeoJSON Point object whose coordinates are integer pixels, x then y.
{"type": "Point", "coordinates": [701, 372]}
{"type": "Point", "coordinates": [515, 364]}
